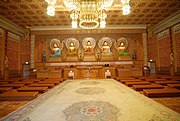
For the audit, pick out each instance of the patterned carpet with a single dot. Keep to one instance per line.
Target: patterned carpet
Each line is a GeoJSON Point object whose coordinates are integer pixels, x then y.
{"type": "Point", "coordinates": [93, 100]}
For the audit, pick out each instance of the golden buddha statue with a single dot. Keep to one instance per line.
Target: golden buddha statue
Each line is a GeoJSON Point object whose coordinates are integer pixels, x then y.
{"type": "Point", "coordinates": [89, 48]}
{"type": "Point", "coordinates": [55, 47]}
{"type": "Point", "coordinates": [106, 49]}
{"type": "Point", "coordinates": [72, 47]}
{"type": "Point", "coordinates": [88, 52]}
{"type": "Point", "coordinates": [121, 47]}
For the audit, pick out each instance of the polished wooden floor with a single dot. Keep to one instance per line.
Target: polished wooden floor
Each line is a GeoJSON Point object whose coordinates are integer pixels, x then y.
{"type": "Point", "coordinates": [7, 107]}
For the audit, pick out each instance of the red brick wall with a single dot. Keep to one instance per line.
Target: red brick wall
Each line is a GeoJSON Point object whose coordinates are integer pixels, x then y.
{"type": "Point", "coordinates": [13, 56]}
{"type": "Point", "coordinates": [164, 52]}
{"type": "Point", "coordinates": [177, 49]}
{"type": "Point", "coordinates": [1, 54]}
{"type": "Point", "coordinates": [18, 53]}
{"type": "Point", "coordinates": [24, 50]}
{"type": "Point", "coordinates": [152, 46]}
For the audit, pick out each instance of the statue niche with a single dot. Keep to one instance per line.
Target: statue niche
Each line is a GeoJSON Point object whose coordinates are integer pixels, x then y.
{"type": "Point", "coordinates": [72, 45]}
{"type": "Point", "coordinates": [88, 45]}
{"type": "Point", "coordinates": [55, 47]}
{"type": "Point", "coordinates": [121, 45]}
{"type": "Point", "coordinates": [105, 45]}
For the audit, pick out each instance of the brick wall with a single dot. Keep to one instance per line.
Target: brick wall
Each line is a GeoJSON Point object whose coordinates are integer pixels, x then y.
{"type": "Point", "coordinates": [152, 49]}
{"type": "Point", "coordinates": [177, 49]}
{"type": "Point", "coordinates": [13, 56]}
{"type": "Point", "coordinates": [164, 53]}
{"type": "Point", "coordinates": [1, 52]}
{"type": "Point", "coordinates": [18, 53]}
{"type": "Point", "coordinates": [24, 51]}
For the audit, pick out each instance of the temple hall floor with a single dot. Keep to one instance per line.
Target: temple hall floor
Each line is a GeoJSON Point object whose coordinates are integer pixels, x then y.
{"type": "Point", "coordinates": [90, 99]}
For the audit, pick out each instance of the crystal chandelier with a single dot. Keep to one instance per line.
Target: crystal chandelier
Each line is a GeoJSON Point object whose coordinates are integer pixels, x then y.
{"type": "Point", "coordinates": [88, 14]}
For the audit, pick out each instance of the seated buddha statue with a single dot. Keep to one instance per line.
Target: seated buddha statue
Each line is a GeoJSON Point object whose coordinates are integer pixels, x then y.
{"type": "Point", "coordinates": [122, 50]}
{"type": "Point", "coordinates": [121, 47]}
{"type": "Point", "coordinates": [106, 49]}
{"type": "Point", "coordinates": [123, 53]}
{"type": "Point", "coordinates": [89, 54]}
{"type": "Point", "coordinates": [72, 49]}
{"type": "Point", "coordinates": [55, 51]}
{"type": "Point", "coordinates": [88, 47]}
{"type": "Point", "coordinates": [72, 54]}
{"type": "Point", "coordinates": [106, 54]}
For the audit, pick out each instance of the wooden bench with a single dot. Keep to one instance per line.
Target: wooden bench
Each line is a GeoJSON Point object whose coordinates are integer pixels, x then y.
{"type": "Point", "coordinates": [123, 78]}
{"type": "Point", "coordinates": [153, 80]}
{"type": "Point", "coordinates": [166, 82]}
{"type": "Point", "coordinates": [13, 95]}
{"type": "Point", "coordinates": [151, 86]}
{"type": "Point", "coordinates": [5, 89]}
{"type": "Point", "coordinates": [49, 82]}
{"type": "Point", "coordinates": [41, 85]}
{"type": "Point", "coordinates": [130, 80]}
{"type": "Point", "coordinates": [15, 86]}
{"type": "Point", "coordinates": [24, 82]}
{"type": "Point", "coordinates": [32, 89]}
{"type": "Point", "coordinates": [32, 80]}
{"type": "Point", "coordinates": [147, 77]}
{"type": "Point", "coordinates": [177, 86]}
{"type": "Point", "coordinates": [1, 82]}
{"type": "Point", "coordinates": [177, 78]}
{"type": "Point", "coordinates": [137, 83]}
{"type": "Point", "coordinates": [161, 92]}
{"type": "Point", "coordinates": [10, 81]}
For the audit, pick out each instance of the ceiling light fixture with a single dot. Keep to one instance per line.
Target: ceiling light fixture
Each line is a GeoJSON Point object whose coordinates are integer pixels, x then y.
{"type": "Point", "coordinates": [90, 14]}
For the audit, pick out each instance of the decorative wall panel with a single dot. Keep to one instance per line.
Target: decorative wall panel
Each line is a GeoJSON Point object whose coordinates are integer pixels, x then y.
{"type": "Point", "coordinates": [134, 44]}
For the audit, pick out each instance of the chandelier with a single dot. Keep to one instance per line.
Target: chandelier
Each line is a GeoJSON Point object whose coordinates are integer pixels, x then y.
{"type": "Point", "coordinates": [89, 14]}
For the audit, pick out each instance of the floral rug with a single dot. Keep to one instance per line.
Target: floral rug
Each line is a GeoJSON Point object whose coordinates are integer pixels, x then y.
{"type": "Point", "coordinates": [93, 100]}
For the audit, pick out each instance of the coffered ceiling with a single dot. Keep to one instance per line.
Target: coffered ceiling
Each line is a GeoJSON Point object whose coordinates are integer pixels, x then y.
{"type": "Point", "coordinates": [29, 13]}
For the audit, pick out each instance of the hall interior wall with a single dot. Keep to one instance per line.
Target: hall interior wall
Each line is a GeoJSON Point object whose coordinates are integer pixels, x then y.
{"type": "Point", "coordinates": [16, 48]}
{"type": "Point", "coordinates": [159, 50]}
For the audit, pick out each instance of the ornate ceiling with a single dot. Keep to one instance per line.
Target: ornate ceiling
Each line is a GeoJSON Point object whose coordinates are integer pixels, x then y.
{"type": "Point", "coordinates": [33, 13]}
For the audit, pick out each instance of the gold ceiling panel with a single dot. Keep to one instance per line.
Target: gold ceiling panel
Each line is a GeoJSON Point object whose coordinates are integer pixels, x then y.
{"type": "Point", "coordinates": [33, 13]}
